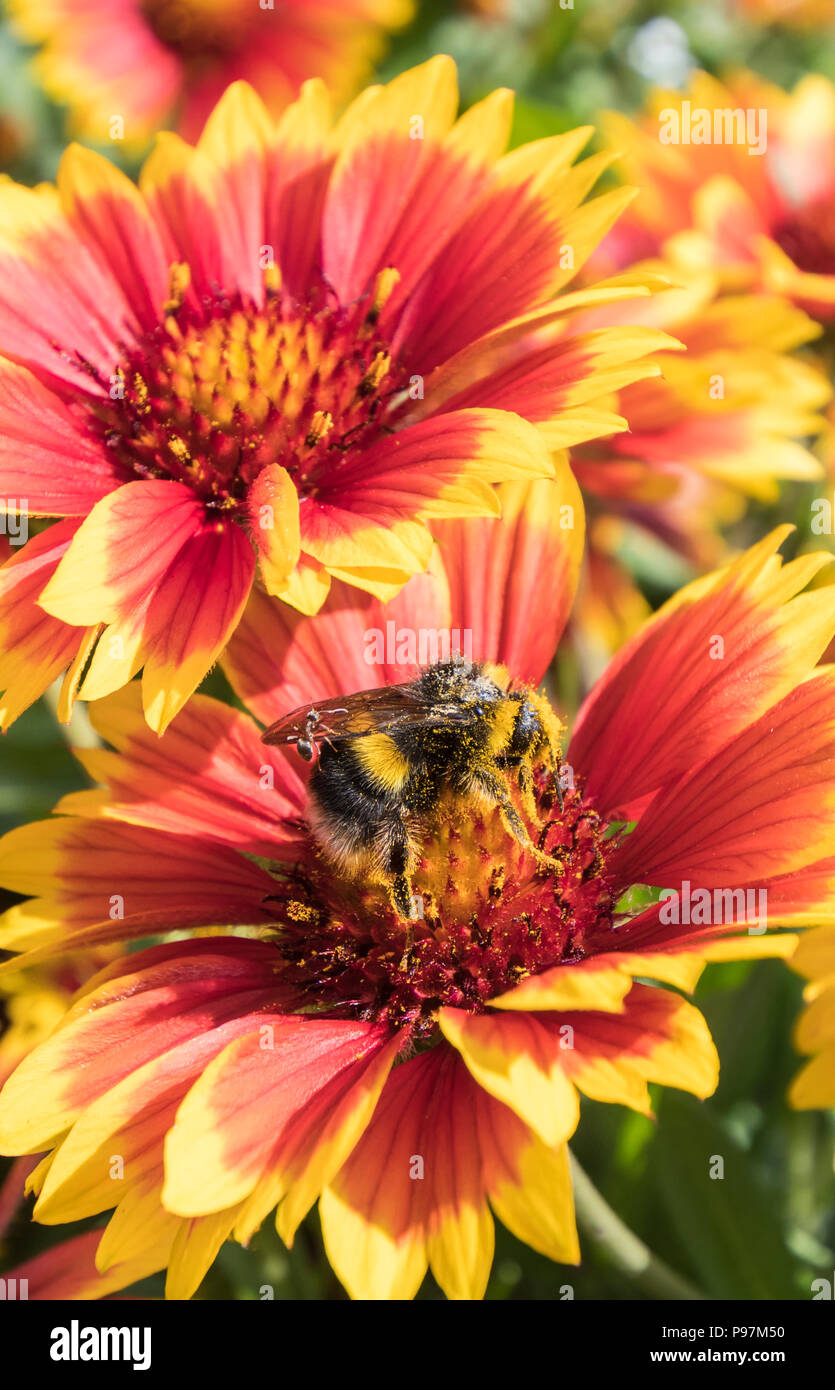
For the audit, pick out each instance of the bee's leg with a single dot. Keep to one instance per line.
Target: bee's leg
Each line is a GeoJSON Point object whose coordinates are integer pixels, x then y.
{"type": "Point", "coordinates": [555, 759]}
{"type": "Point", "coordinates": [401, 896]}
{"type": "Point", "coordinates": [525, 779]}
{"type": "Point", "coordinates": [407, 948]}
{"type": "Point", "coordinates": [397, 853]}
{"type": "Point", "coordinates": [552, 734]}
{"type": "Point", "coordinates": [493, 787]}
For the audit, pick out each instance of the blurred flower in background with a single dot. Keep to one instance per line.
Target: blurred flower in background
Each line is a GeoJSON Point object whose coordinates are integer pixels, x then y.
{"type": "Point", "coordinates": [726, 422]}
{"type": "Point", "coordinates": [738, 177]}
{"type": "Point", "coordinates": [124, 69]}
{"type": "Point", "coordinates": [804, 14]}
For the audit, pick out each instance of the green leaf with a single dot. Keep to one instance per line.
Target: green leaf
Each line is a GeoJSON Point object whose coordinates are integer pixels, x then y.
{"type": "Point", "coordinates": [728, 1227]}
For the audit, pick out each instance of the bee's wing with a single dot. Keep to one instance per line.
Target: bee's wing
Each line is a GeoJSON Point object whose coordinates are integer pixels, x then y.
{"type": "Point", "coordinates": [366, 712]}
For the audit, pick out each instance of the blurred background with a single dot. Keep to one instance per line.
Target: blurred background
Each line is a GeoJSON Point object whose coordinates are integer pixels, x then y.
{"type": "Point", "coordinates": [767, 1229]}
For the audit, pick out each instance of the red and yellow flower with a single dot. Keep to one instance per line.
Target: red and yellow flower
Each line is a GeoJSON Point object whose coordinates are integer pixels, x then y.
{"type": "Point", "coordinates": [723, 426]}
{"type": "Point", "coordinates": [277, 360]}
{"type": "Point", "coordinates": [762, 218]}
{"type": "Point", "coordinates": [297, 1048]}
{"type": "Point", "coordinates": [144, 63]}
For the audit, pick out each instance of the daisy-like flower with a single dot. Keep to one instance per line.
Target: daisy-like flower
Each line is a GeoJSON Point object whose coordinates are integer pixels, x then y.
{"type": "Point", "coordinates": [125, 69]}
{"type": "Point", "coordinates": [739, 178]}
{"type": "Point", "coordinates": [276, 360]}
{"type": "Point", "coordinates": [721, 427]}
{"type": "Point", "coordinates": [415, 1076]}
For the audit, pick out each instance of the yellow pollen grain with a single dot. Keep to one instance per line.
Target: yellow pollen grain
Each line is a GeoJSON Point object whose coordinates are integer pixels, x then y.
{"type": "Point", "coordinates": [502, 726]}
{"type": "Point", "coordinates": [320, 425]}
{"type": "Point", "coordinates": [141, 393]}
{"type": "Point", "coordinates": [383, 286]}
{"type": "Point", "coordinates": [179, 449]}
{"type": "Point", "coordinates": [300, 912]}
{"type": "Point", "coordinates": [375, 374]}
{"type": "Point", "coordinates": [179, 279]}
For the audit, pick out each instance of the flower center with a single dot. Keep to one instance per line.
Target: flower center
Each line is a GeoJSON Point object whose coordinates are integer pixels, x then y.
{"type": "Point", "coordinates": [216, 392]}
{"type": "Point", "coordinates": [808, 238]}
{"type": "Point", "coordinates": [487, 914]}
{"type": "Point", "coordinates": [196, 29]}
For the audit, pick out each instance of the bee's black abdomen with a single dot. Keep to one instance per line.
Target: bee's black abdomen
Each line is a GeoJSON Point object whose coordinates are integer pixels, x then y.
{"type": "Point", "coordinates": [346, 796]}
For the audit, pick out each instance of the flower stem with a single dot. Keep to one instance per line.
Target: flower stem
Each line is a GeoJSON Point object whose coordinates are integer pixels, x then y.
{"type": "Point", "coordinates": [624, 1250]}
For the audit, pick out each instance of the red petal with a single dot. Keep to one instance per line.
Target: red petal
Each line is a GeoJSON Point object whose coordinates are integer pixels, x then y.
{"type": "Point", "coordinates": [717, 825]}
{"type": "Point", "coordinates": [512, 580]}
{"type": "Point", "coordinates": [277, 659]}
{"type": "Point", "coordinates": [46, 458]}
{"type": "Point", "coordinates": [672, 696]}
{"type": "Point", "coordinates": [209, 775]}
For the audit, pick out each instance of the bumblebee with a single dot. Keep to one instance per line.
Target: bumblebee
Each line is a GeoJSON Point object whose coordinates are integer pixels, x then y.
{"type": "Point", "coordinates": [385, 755]}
